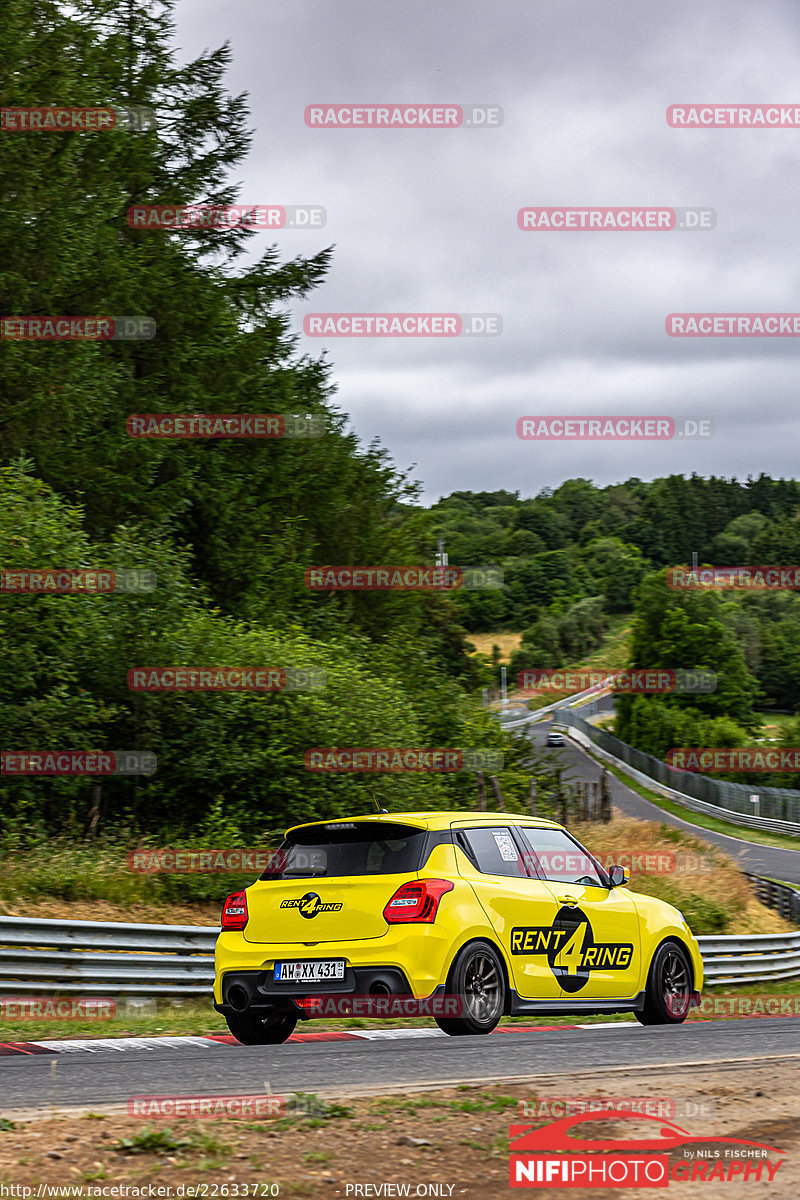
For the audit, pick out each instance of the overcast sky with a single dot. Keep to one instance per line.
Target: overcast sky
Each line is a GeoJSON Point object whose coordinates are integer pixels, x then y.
{"type": "Point", "coordinates": [425, 220]}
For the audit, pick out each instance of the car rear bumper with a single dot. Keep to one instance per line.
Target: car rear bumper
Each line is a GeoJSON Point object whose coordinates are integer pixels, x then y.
{"type": "Point", "coordinates": [261, 991]}
{"type": "Point", "coordinates": [420, 962]}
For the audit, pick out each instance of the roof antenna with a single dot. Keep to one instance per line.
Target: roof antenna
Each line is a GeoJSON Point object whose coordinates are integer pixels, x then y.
{"type": "Point", "coordinates": [375, 802]}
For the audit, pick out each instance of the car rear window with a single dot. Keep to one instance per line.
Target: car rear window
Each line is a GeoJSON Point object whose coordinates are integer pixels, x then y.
{"type": "Point", "coordinates": [348, 848]}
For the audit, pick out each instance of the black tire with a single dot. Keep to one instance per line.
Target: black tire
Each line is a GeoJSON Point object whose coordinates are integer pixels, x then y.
{"type": "Point", "coordinates": [477, 978]}
{"type": "Point", "coordinates": [669, 987]}
{"type": "Point", "coordinates": [261, 1028]}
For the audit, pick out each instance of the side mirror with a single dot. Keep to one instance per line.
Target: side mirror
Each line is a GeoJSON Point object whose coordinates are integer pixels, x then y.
{"type": "Point", "coordinates": [619, 876]}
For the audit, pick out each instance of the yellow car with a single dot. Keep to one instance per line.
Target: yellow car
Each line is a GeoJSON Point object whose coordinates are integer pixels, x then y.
{"type": "Point", "coordinates": [497, 914]}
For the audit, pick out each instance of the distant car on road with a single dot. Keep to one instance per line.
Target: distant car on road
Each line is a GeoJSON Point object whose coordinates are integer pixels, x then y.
{"type": "Point", "coordinates": [554, 738]}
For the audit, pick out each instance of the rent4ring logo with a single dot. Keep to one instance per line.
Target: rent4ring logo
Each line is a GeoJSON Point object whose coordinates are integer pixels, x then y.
{"type": "Point", "coordinates": [311, 904]}
{"type": "Point", "coordinates": [570, 949]}
{"type": "Point", "coordinates": [553, 1156]}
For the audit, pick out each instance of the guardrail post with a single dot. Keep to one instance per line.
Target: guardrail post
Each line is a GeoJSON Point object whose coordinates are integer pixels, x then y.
{"type": "Point", "coordinates": [605, 798]}
{"type": "Point", "coordinates": [498, 795]}
{"type": "Point", "coordinates": [481, 791]}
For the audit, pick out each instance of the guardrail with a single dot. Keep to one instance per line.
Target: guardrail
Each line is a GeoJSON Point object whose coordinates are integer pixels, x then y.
{"type": "Point", "coordinates": [758, 958]}
{"type": "Point", "coordinates": [598, 739]}
{"type": "Point", "coordinates": [654, 773]}
{"type": "Point", "coordinates": [778, 896]}
{"type": "Point", "coordinates": [39, 956]}
{"type": "Point", "coordinates": [47, 957]}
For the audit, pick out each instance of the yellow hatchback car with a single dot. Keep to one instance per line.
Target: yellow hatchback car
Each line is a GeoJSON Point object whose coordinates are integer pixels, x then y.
{"type": "Point", "coordinates": [503, 914]}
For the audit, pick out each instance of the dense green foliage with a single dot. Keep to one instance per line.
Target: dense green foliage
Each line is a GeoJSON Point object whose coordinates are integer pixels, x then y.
{"type": "Point", "coordinates": [229, 526]}
{"type": "Point", "coordinates": [579, 540]}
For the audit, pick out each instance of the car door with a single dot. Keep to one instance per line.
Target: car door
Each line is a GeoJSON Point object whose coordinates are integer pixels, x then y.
{"type": "Point", "coordinates": [521, 908]}
{"type": "Point", "coordinates": [599, 953]}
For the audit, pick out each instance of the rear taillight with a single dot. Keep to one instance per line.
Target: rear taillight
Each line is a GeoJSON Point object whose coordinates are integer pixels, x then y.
{"type": "Point", "coordinates": [234, 911]}
{"type": "Point", "coordinates": [417, 901]}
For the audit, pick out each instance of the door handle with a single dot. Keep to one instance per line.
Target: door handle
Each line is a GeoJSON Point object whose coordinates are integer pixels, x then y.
{"type": "Point", "coordinates": [568, 900]}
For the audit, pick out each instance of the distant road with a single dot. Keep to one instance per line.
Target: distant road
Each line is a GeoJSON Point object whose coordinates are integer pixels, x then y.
{"type": "Point", "coordinates": [750, 856]}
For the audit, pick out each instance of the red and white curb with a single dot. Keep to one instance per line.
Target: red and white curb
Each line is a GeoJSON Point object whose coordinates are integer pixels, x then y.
{"type": "Point", "coordinates": [112, 1045]}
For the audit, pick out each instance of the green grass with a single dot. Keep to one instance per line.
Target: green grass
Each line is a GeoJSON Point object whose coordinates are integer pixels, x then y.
{"type": "Point", "coordinates": [61, 869]}
{"type": "Point", "coordinates": [151, 1141]}
{"type": "Point", "coordinates": [781, 721]}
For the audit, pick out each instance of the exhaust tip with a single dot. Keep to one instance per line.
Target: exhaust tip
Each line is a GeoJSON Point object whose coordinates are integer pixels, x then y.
{"type": "Point", "coordinates": [238, 998]}
{"type": "Point", "coordinates": [379, 988]}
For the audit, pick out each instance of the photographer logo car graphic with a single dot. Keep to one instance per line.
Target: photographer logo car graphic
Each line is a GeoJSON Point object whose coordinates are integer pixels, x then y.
{"type": "Point", "coordinates": [310, 905]}
{"type": "Point", "coordinates": [571, 949]}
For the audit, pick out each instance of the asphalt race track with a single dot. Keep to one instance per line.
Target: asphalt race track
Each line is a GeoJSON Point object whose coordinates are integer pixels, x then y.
{"type": "Point", "coordinates": [750, 856]}
{"type": "Point", "coordinates": [90, 1080]}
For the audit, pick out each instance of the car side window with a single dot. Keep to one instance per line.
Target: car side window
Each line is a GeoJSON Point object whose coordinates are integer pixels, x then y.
{"type": "Point", "coordinates": [561, 860]}
{"type": "Point", "coordinates": [494, 851]}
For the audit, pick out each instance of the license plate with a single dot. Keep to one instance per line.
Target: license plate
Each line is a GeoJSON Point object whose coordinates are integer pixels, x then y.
{"type": "Point", "coordinates": [309, 972]}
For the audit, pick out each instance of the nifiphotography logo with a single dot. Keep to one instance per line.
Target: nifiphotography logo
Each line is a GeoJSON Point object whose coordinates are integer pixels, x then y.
{"type": "Point", "coordinates": [558, 1156]}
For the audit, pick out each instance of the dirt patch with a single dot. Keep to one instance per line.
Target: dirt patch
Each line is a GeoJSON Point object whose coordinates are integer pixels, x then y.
{"type": "Point", "coordinates": [457, 1138]}
{"type": "Point", "coordinates": [484, 643]}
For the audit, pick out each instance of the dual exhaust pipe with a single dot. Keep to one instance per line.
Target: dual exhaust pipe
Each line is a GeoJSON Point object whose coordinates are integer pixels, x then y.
{"type": "Point", "coordinates": [239, 997]}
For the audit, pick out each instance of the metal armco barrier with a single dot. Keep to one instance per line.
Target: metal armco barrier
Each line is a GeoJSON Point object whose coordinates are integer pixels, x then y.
{"type": "Point", "coordinates": [107, 958]}
{"type": "Point", "coordinates": [754, 959]}
{"type": "Point", "coordinates": [610, 749]}
{"type": "Point", "coordinates": [778, 896]}
{"type": "Point", "coordinates": [48, 957]}
{"type": "Point", "coordinates": [779, 808]}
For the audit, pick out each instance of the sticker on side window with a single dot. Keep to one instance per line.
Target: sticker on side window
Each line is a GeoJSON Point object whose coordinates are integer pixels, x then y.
{"type": "Point", "coordinates": [505, 844]}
